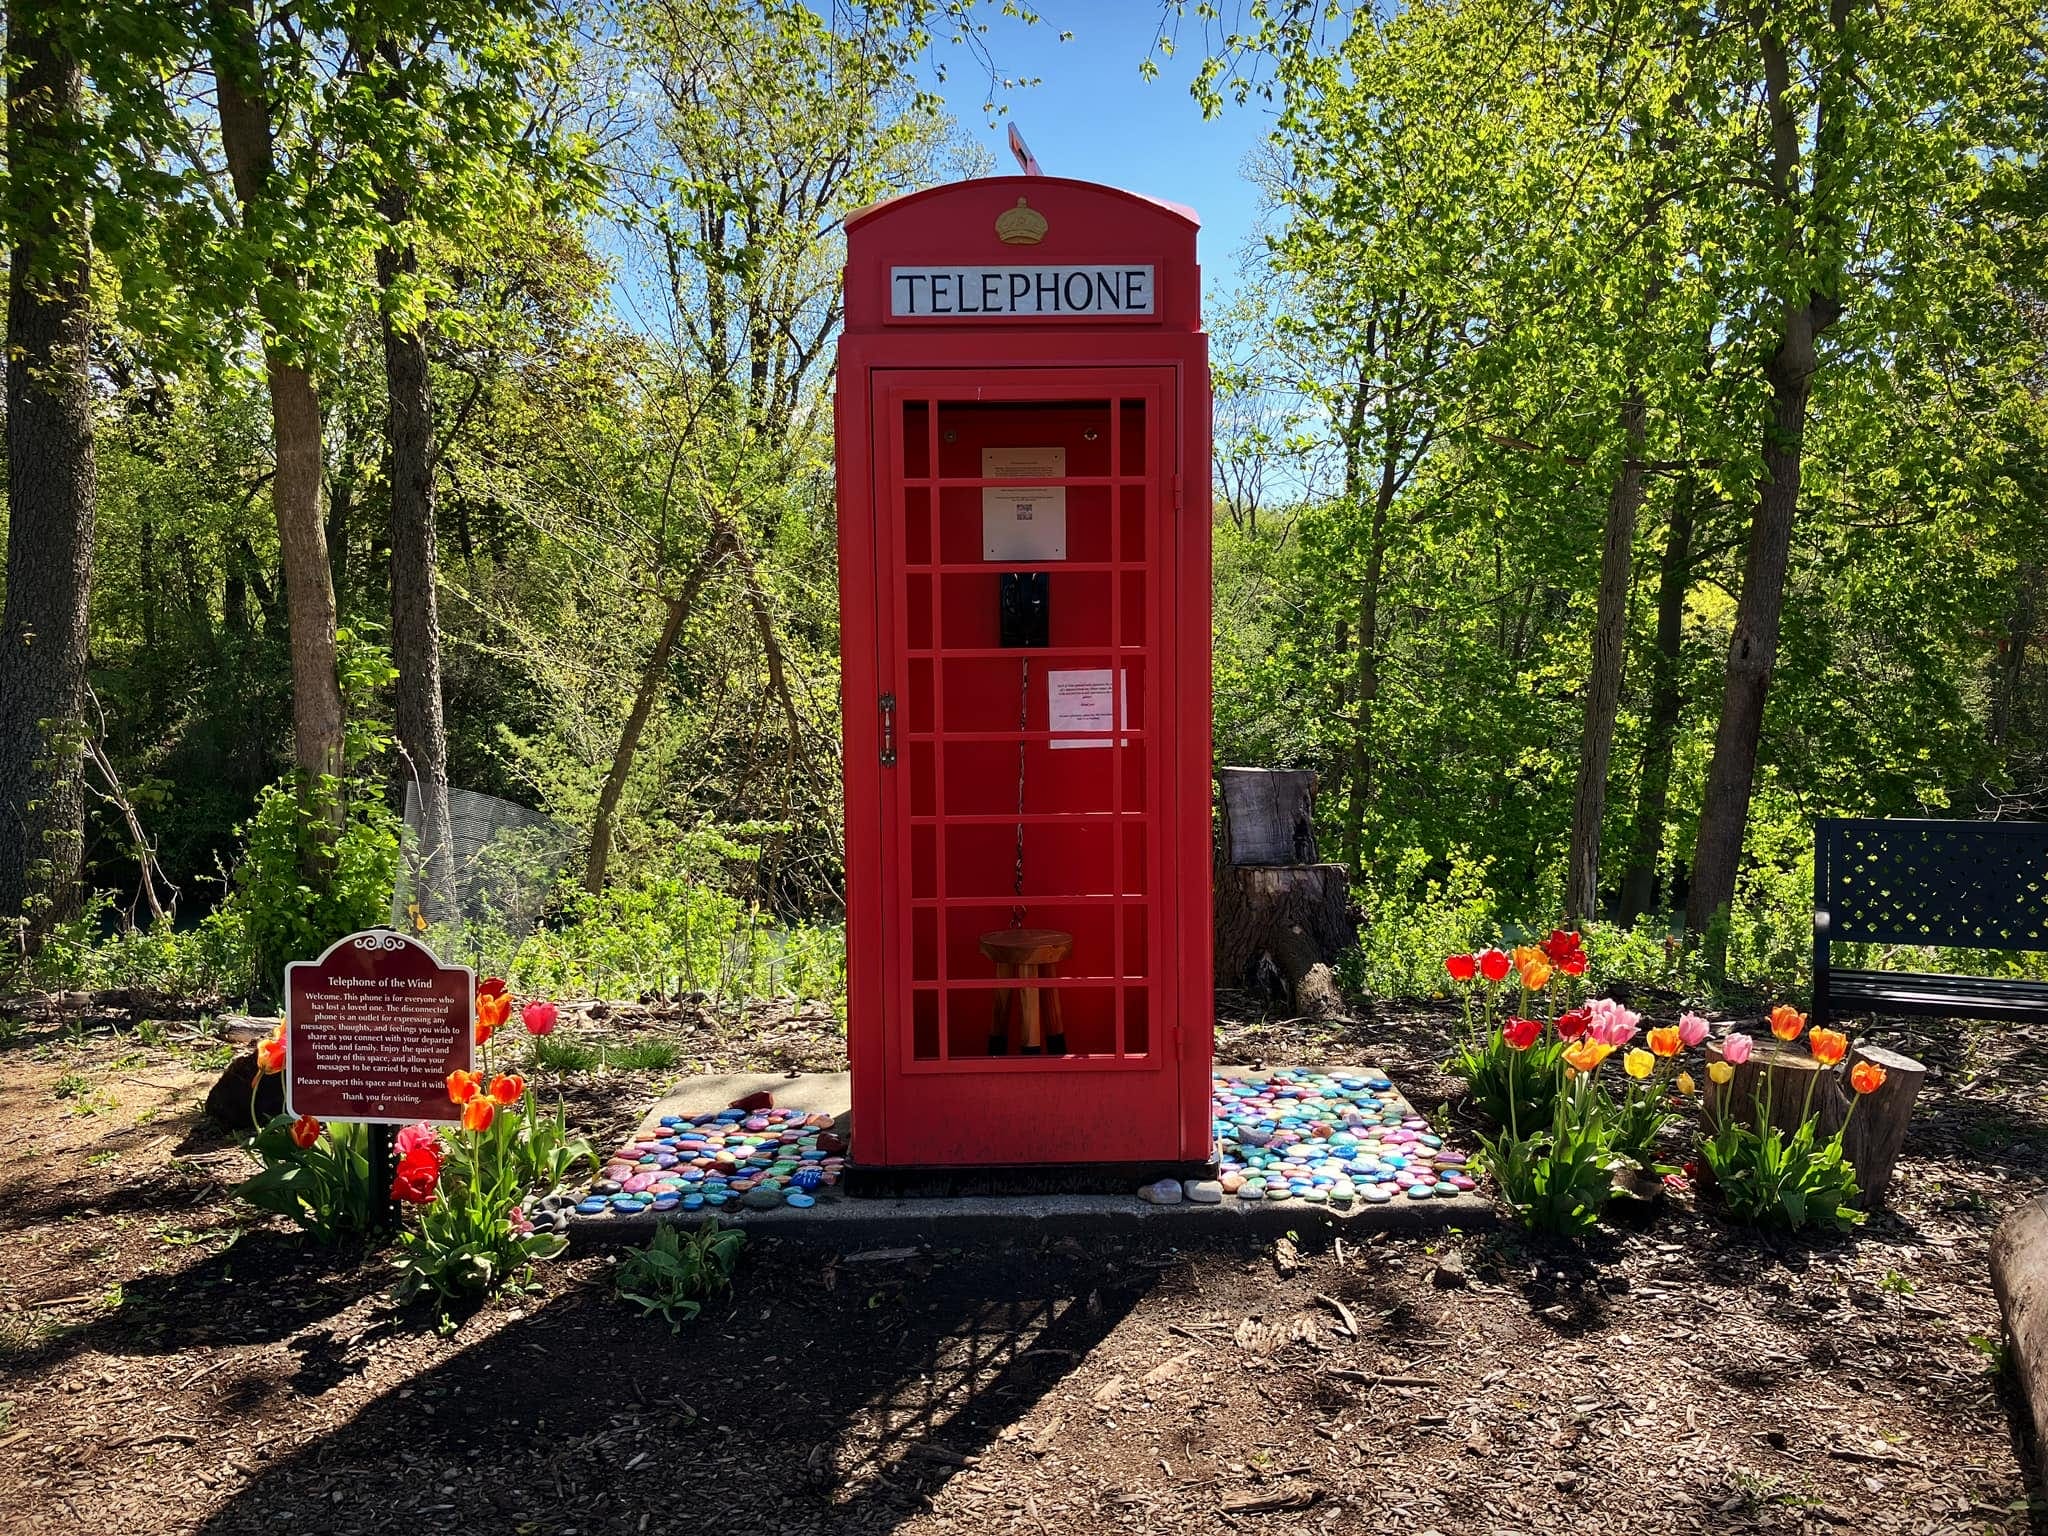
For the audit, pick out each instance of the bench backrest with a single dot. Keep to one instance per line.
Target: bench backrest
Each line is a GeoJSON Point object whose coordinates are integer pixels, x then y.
{"type": "Point", "coordinates": [1970, 884]}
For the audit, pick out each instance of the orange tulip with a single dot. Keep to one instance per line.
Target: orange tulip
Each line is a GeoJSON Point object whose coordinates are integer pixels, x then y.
{"type": "Point", "coordinates": [508, 1090]}
{"type": "Point", "coordinates": [1866, 1077]}
{"type": "Point", "coordinates": [492, 1010]}
{"type": "Point", "coordinates": [1664, 1041]}
{"type": "Point", "coordinates": [477, 1114]}
{"type": "Point", "coordinates": [1585, 1053]}
{"type": "Point", "coordinates": [1536, 974]}
{"type": "Point", "coordinates": [305, 1131]}
{"type": "Point", "coordinates": [463, 1086]}
{"type": "Point", "coordinates": [1828, 1046]}
{"type": "Point", "coordinates": [270, 1054]}
{"type": "Point", "coordinates": [1787, 1021]}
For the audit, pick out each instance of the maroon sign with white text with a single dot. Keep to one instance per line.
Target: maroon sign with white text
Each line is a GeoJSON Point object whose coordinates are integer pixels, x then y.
{"type": "Point", "coordinates": [372, 1030]}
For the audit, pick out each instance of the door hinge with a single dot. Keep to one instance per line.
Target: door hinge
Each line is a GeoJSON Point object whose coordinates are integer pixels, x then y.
{"type": "Point", "coordinates": [888, 730]}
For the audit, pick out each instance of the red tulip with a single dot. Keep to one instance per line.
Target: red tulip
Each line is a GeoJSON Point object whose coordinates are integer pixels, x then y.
{"type": "Point", "coordinates": [270, 1055]}
{"type": "Point", "coordinates": [1562, 942]}
{"type": "Point", "coordinates": [1573, 964]}
{"type": "Point", "coordinates": [305, 1131]}
{"type": "Point", "coordinates": [539, 1018]}
{"type": "Point", "coordinates": [1573, 1024]}
{"type": "Point", "coordinates": [1521, 1033]}
{"type": "Point", "coordinates": [418, 1172]}
{"type": "Point", "coordinates": [1462, 967]}
{"type": "Point", "coordinates": [491, 986]}
{"type": "Point", "coordinates": [1493, 965]}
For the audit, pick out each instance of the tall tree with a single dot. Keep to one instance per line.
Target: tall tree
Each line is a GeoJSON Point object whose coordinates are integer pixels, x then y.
{"type": "Point", "coordinates": [248, 130]}
{"type": "Point", "coordinates": [50, 486]}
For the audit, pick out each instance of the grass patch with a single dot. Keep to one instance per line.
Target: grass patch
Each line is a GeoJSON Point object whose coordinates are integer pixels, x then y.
{"type": "Point", "coordinates": [560, 1055]}
{"type": "Point", "coordinates": [642, 1056]}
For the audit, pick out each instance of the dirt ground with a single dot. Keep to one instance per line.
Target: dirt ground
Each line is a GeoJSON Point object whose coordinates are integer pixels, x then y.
{"type": "Point", "coordinates": [171, 1362]}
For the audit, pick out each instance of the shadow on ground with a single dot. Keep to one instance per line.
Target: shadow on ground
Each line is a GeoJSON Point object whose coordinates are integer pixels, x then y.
{"type": "Point", "coordinates": [826, 1396]}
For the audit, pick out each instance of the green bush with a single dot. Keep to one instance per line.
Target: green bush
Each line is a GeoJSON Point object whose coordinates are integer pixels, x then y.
{"type": "Point", "coordinates": [274, 912]}
{"type": "Point", "coordinates": [674, 1275]}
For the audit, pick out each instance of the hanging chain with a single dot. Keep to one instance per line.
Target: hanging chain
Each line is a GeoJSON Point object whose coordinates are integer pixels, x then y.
{"type": "Point", "coordinates": [1023, 722]}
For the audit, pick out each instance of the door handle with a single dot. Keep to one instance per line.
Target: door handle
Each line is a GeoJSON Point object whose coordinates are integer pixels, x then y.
{"type": "Point", "coordinates": [888, 730]}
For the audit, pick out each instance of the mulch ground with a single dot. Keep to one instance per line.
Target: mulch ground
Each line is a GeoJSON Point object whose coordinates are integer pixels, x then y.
{"type": "Point", "coordinates": [170, 1361]}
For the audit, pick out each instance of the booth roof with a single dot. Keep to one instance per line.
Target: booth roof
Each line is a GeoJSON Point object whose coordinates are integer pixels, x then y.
{"type": "Point", "coordinates": [1177, 209]}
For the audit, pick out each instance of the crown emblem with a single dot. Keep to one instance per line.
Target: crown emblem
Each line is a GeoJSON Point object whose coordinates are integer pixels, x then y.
{"type": "Point", "coordinates": [1021, 225]}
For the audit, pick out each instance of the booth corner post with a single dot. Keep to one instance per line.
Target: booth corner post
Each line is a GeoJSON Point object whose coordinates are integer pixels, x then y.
{"type": "Point", "coordinates": [1022, 423]}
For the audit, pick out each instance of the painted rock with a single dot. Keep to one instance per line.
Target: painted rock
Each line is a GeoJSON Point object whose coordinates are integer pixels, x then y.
{"type": "Point", "coordinates": [1204, 1191]}
{"type": "Point", "coordinates": [1161, 1192]}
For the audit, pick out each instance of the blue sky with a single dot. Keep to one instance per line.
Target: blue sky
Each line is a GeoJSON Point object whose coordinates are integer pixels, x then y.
{"type": "Point", "coordinates": [1093, 116]}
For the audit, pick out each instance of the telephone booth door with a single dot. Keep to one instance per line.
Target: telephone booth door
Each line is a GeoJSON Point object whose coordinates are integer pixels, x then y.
{"type": "Point", "coordinates": [1026, 610]}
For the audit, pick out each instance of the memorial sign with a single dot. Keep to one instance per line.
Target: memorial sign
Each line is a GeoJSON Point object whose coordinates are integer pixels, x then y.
{"type": "Point", "coordinates": [373, 1028]}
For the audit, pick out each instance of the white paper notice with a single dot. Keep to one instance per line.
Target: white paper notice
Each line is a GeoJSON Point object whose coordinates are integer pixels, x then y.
{"type": "Point", "coordinates": [1079, 700]}
{"type": "Point", "coordinates": [1023, 463]}
{"type": "Point", "coordinates": [1024, 524]}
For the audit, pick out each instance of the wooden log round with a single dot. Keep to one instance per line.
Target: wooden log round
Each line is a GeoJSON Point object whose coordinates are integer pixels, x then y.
{"type": "Point", "coordinates": [1877, 1128]}
{"type": "Point", "coordinates": [2019, 1278]}
{"type": "Point", "coordinates": [1796, 1085]}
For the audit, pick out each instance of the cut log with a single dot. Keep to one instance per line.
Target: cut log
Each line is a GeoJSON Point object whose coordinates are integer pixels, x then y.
{"type": "Point", "coordinates": [1796, 1084]}
{"type": "Point", "coordinates": [2019, 1278]}
{"type": "Point", "coordinates": [1268, 816]}
{"type": "Point", "coordinates": [1877, 1130]}
{"type": "Point", "coordinates": [1292, 920]}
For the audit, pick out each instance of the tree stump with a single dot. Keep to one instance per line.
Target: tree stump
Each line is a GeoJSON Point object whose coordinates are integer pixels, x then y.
{"type": "Point", "coordinates": [1878, 1128]}
{"type": "Point", "coordinates": [1797, 1085]}
{"type": "Point", "coordinates": [1281, 917]}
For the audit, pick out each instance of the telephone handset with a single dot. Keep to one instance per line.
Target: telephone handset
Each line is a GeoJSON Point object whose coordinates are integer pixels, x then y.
{"type": "Point", "coordinates": [1025, 612]}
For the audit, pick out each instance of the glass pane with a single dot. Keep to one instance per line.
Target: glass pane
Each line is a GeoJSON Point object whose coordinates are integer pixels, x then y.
{"type": "Point", "coordinates": [969, 429]}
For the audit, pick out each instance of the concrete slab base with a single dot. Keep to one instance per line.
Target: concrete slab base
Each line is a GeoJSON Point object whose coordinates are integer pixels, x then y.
{"type": "Point", "coordinates": [851, 1223]}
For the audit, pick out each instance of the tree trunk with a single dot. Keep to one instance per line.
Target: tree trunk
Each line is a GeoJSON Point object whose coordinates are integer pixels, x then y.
{"type": "Point", "coordinates": [247, 143]}
{"type": "Point", "coordinates": [44, 626]}
{"type": "Point", "coordinates": [1753, 648]}
{"type": "Point", "coordinates": [1362, 764]}
{"type": "Point", "coordinates": [1603, 688]}
{"type": "Point", "coordinates": [415, 614]}
{"type": "Point", "coordinates": [2012, 653]}
{"type": "Point", "coordinates": [679, 606]}
{"type": "Point", "coordinates": [1667, 703]}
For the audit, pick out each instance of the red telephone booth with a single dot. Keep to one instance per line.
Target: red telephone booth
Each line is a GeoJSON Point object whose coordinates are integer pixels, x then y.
{"type": "Point", "coordinates": [1023, 454]}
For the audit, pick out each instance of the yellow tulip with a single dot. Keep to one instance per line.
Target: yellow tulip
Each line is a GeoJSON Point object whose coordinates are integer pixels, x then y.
{"type": "Point", "coordinates": [1720, 1071]}
{"type": "Point", "coordinates": [1640, 1063]}
{"type": "Point", "coordinates": [1685, 1084]}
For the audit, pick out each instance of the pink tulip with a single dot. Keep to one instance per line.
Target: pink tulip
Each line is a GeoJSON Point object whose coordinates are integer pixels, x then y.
{"type": "Point", "coordinates": [1735, 1049]}
{"type": "Point", "coordinates": [1692, 1029]}
{"type": "Point", "coordinates": [415, 1137]}
{"type": "Point", "coordinates": [1612, 1024]}
{"type": "Point", "coordinates": [539, 1018]}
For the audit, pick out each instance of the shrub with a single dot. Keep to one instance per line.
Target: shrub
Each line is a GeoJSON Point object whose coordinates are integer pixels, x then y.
{"type": "Point", "coordinates": [675, 1274]}
{"type": "Point", "coordinates": [273, 913]}
{"type": "Point", "coordinates": [318, 1175]}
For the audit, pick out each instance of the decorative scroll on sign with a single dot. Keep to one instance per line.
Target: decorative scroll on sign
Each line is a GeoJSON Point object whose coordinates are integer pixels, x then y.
{"type": "Point", "coordinates": [373, 1028]}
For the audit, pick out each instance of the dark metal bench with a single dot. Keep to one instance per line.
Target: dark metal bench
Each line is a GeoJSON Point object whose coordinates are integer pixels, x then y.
{"type": "Point", "coordinates": [1961, 884]}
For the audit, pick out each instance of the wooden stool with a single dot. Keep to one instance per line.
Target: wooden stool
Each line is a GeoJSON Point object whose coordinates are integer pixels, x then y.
{"type": "Point", "coordinates": [1024, 953]}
